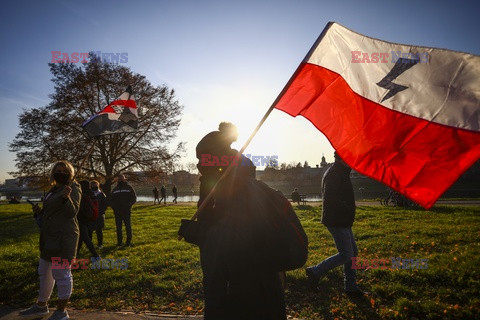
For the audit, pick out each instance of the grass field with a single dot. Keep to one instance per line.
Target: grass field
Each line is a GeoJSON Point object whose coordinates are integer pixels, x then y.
{"type": "Point", "coordinates": [164, 274]}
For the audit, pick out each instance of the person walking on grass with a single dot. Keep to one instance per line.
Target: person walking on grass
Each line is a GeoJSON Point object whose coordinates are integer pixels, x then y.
{"type": "Point", "coordinates": [163, 193]}
{"type": "Point", "coordinates": [338, 214]}
{"type": "Point", "coordinates": [102, 207]}
{"type": "Point", "coordinates": [58, 239]}
{"type": "Point", "coordinates": [155, 195]}
{"type": "Point", "coordinates": [122, 199]}
{"type": "Point", "coordinates": [175, 194]}
{"type": "Point", "coordinates": [87, 218]}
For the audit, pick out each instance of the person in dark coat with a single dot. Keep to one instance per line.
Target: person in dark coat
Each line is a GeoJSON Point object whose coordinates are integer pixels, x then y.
{"type": "Point", "coordinates": [155, 195]}
{"type": "Point", "coordinates": [123, 197]}
{"type": "Point", "coordinates": [163, 193]}
{"type": "Point", "coordinates": [102, 207]}
{"type": "Point", "coordinates": [296, 196]}
{"type": "Point", "coordinates": [85, 225]}
{"type": "Point", "coordinates": [175, 194]}
{"type": "Point", "coordinates": [237, 283]}
{"type": "Point", "coordinates": [338, 214]}
{"type": "Point", "coordinates": [58, 240]}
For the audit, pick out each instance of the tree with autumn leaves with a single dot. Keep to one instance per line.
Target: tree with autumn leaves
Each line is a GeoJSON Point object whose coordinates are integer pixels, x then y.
{"type": "Point", "coordinates": [54, 132]}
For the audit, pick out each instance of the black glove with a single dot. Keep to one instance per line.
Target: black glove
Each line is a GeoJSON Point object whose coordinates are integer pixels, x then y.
{"type": "Point", "coordinates": [192, 231]}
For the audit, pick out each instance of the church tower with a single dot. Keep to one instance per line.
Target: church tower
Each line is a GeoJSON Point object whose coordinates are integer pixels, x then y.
{"type": "Point", "coordinates": [323, 164]}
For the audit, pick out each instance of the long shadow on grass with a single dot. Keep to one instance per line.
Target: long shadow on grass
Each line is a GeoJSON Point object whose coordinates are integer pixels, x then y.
{"type": "Point", "coordinates": [17, 228]}
{"type": "Point", "coordinates": [300, 294]}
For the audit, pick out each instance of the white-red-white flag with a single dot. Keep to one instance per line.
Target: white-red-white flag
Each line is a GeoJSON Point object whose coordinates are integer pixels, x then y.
{"type": "Point", "coordinates": [407, 116]}
{"type": "Point", "coordinates": [118, 117]}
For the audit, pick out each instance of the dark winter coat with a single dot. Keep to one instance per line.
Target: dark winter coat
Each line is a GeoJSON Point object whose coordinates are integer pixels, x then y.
{"type": "Point", "coordinates": [338, 199]}
{"type": "Point", "coordinates": [59, 231]}
{"type": "Point", "coordinates": [237, 283]}
{"type": "Point", "coordinates": [122, 198]}
{"type": "Point", "coordinates": [85, 210]}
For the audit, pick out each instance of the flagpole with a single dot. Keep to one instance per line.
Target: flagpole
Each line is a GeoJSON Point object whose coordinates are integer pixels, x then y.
{"type": "Point", "coordinates": [230, 167]}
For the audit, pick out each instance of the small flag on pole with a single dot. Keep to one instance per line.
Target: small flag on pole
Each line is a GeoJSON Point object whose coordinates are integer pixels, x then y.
{"type": "Point", "coordinates": [118, 117]}
{"type": "Point", "coordinates": [407, 116]}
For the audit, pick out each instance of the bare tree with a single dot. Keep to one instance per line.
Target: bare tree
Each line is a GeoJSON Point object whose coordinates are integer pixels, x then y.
{"type": "Point", "coordinates": [192, 167]}
{"type": "Point", "coordinates": [53, 132]}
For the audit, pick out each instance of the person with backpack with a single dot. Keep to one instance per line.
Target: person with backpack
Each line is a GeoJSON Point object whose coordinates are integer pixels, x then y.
{"type": "Point", "coordinates": [243, 233]}
{"type": "Point", "coordinates": [87, 215]}
{"type": "Point", "coordinates": [122, 198]}
{"type": "Point", "coordinates": [102, 207]}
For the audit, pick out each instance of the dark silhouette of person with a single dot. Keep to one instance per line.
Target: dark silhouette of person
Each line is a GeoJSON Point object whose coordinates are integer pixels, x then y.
{"type": "Point", "coordinates": [296, 196]}
{"type": "Point", "coordinates": [122, 199]}
{"type": "Point", "coordinates": [102, 207]}
{"type": "Point", "coordinates": [175, 193]}
{"type": "Point", "coordinates": [155, 195]}
{"type": "Point", "coordinates": [237, 283]}
{"type": "Point", "coordinates": [85, 225]}
{"type": "Point", "coordinates": [163, 193]}
{"type": "Point", "coordinates": [338, 214]}
{"type": "Point", "coordinates": [14, 200]}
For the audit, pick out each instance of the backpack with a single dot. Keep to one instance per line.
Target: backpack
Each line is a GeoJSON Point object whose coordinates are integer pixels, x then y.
{"type": "Point", "coordinates": [285, 236]}
{"type": "Point", "coordinates": [260, 229]}
{"type": "Point", "coordinates": [89, 207]}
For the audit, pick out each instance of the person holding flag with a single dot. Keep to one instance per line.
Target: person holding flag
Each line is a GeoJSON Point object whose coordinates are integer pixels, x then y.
{"type": "Point", "coordinates": [248, 235]}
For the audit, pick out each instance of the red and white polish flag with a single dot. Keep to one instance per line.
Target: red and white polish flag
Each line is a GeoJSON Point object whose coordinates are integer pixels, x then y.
{"type": "Point", "coordinates": [118, 117]}
{"type": "Point", "coordinates": [407, 116]}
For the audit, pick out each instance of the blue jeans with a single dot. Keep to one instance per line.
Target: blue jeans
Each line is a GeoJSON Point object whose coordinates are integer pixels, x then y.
{"type": "Point", "coordinates": [347, 248]}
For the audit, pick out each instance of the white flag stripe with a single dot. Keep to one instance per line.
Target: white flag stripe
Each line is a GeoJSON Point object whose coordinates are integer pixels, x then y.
{"type": "Point", "coordinates": [443, 87]}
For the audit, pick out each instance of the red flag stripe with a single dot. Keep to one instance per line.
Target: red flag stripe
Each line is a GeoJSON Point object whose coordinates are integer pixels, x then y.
{"type": "Point", "coordinates": [126, 103]}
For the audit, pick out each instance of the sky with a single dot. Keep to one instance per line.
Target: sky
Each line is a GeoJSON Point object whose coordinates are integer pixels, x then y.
{"type": "Point", "coordinates": [226, 60]}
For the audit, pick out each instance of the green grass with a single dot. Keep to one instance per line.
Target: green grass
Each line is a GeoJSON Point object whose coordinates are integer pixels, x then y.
{"type": "Point", "coordinates": [164, 274]}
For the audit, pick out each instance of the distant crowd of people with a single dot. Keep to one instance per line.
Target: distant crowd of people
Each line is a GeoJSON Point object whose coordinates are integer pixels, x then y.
{"type": "Point", "coordinates": [163, 194]}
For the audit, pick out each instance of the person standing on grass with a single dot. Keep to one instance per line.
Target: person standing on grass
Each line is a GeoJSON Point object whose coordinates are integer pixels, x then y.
{"type": "Point", "coordinates": [122, 199]}
{"type": "Point", "coordinates": [163, 192]}
{"type": "Point", "coordinates": [58, 239]}
{"type": "Point", "coordinates": [102, 207]}
{"type": "Point", "coordinates": [338, 214]}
